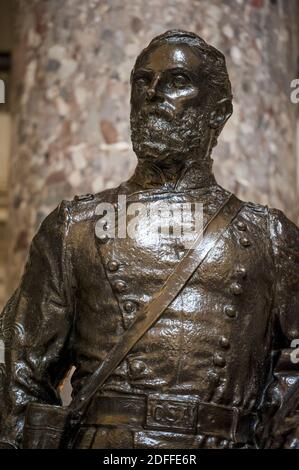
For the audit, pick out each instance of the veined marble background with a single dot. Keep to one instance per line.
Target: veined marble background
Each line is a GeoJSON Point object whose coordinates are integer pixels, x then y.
{"type": "Point", "coordinates": [70, 103]}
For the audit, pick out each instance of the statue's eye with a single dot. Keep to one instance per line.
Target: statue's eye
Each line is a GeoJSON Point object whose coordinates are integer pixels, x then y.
{"type": "Point", "coordinates": [141, 81]}
{"type": "Point", "coordinates": [179, 80]}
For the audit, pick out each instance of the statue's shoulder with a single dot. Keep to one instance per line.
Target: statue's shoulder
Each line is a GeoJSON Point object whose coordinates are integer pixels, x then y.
{"type": "Point", "coordinates": [251, 212]}
{"type": "Point", "coordinates": [254, 217]}
{"type": "Point", "coordinates": [83, 207]}
{"type": "Point", "coordinates": [274, 221]}
{"type": "Point", "coordinates": [284, 230]}
{"type": "Point", "coordinates": [255, 210]}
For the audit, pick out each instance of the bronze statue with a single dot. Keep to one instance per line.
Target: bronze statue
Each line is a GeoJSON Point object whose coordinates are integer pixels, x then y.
{"type": "Point", "coordinates": [173, 348]}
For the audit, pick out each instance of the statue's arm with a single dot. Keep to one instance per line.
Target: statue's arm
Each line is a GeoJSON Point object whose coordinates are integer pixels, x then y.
{"type": "Point", "coordinates": [35, 327]}
{"type": "Point", "coordinates": [284, 390]}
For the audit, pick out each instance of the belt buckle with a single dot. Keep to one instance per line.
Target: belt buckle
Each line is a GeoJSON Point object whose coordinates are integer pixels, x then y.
{"type": "Point", "coordinates": [171, 414]}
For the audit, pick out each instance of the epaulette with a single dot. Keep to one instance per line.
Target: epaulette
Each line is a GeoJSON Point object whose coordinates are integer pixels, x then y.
{"type": "Point", "coordinates": [84, 197]}
{"type": "Point", "coordinates": [256, 207]}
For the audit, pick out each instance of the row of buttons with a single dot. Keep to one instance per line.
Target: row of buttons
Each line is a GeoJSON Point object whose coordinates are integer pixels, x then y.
{"type": "Point", "coordinates": [219, 359]}
{"type": "Point", "coordinates": [121, 286]}
{"type": "Point", "coordinates": [236, 289]}
{"type": "Point", "coordinates": [243, 227]}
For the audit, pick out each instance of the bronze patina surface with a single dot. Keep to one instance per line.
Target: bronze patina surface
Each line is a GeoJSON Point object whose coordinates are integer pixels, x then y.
{"type": "Point", "coordinates": [216, 369]}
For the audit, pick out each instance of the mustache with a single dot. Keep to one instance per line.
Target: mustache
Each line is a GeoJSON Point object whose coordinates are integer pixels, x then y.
{"type": "Point", "coordinates": [159, 110]}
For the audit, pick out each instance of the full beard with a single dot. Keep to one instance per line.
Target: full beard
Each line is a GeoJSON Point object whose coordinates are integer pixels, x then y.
{"type": "Point", "coordinates": [162, 138]}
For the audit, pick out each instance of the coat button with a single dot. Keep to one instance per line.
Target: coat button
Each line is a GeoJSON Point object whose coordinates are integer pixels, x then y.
{"type": "Point", "coordinates": [241, 225]}
{"type": "Point", "coordinates": [219, 360]}
{"type": "Point", "coordinates": [129, 306]}
{"type": "Point", "coordinates": [120, 286]}
{"type": "Point", "coordinates": [241, 271]}
{"type": "Point", "coordinates": [230, 311]}
{"type": "Point", "coordinates": [137, 367]}
{"type": "Point", "coordinates": [245, 242]}
{"type": "Point", "coordinates": [236, 288]}
{"type": "Point", "coordinates": [224, 342]}
{"type": "Point", "coordinates": [113, 266]}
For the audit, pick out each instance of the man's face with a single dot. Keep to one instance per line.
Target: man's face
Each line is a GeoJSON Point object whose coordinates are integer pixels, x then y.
{"type": "Point", "coordinates": [168, 103]}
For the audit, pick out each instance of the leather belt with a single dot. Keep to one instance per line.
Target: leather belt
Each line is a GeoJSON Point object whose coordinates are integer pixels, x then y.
{"type": "Point", "coordinates": [173, 414]}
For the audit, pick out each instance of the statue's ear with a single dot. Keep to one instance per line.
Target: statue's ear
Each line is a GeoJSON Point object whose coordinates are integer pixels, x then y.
{"type": "Point", "coordinates": [221, 113]}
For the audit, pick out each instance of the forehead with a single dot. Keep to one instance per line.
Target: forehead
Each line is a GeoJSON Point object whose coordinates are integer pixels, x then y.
{"type": "Point", "coordinates": [165, 56]}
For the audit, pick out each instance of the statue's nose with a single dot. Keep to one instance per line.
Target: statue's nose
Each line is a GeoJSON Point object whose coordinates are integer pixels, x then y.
{"type": "Point", "coordinates": [151, 93]}
{"type": "Point", "coordinates": [152, 89]}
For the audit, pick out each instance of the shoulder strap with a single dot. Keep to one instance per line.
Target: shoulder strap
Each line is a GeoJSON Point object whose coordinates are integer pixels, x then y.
{"type": "Point", "coordinates": [192, 259]}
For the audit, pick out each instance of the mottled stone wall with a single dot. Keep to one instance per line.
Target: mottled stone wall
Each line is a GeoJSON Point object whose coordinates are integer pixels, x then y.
{"type": "Point", "coordinates": [6, 32]}
{"type": "Point", "coordinates": [71, 99]}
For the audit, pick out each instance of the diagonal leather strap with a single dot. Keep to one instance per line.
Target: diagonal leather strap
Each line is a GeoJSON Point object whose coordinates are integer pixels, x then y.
{"type": "Point", "coordinates": [192, 259]}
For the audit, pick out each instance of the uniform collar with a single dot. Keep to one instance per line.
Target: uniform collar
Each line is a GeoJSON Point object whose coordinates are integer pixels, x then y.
{"type": "Point", "coordinates": [194, 175]}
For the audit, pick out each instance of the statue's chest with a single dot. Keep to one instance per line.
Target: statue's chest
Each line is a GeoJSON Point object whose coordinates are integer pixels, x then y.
{"type": "Point", "coordinates": [148, 240]}
{"type": "Point", "coordinates": [159, 233]}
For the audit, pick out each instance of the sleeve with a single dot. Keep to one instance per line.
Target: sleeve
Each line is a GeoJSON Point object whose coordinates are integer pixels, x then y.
{"type": "Point", "coordinates": [35, 328]}
{"type": "Point", "coordinates": [283, 393]}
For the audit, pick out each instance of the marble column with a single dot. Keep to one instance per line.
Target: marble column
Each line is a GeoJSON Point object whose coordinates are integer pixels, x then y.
{"type": "Point", "coordinates": [72, 62]}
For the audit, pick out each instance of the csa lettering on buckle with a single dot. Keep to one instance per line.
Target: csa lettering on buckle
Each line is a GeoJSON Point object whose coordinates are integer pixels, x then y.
{"type": "Point", "coordinates": [167, 414]}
